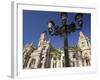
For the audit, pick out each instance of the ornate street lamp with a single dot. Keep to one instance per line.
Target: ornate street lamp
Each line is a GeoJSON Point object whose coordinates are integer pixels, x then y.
{"type": "Point", "coordinates": [64, 30]}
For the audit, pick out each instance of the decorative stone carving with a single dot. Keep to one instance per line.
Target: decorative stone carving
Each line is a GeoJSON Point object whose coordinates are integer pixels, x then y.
{"type": "Point", "coordinates": [41, 56]}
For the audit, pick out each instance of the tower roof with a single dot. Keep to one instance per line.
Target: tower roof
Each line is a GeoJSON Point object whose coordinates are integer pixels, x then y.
{"type": "Point", "coordinates": [82, 36]}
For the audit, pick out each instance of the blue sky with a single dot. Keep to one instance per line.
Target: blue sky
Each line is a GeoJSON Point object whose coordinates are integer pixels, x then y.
{"type": "Point", "coordinates": [35, 22]}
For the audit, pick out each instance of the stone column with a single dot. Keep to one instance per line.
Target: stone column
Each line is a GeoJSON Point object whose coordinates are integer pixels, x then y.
{"type": "Point", "coordinates": [61, 60]}
{"type": "Point", "coordinates": [43, 61]}
{"type": "Point", "coordinates": [28, 64]}
{"type": "Point", "coordinates": [80, 62]}
{"type": "Point", "coordinates": [37, 60]}
{"type": "Point", "coordinates": [58, 63]}
{"type": "Point", "coordinates": [52, 63]}
{"type": "Point", "coordinates": [74, 61]}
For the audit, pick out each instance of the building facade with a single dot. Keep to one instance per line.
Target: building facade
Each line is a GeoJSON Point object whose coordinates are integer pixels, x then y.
{"type": "Point", "coordinates": [39, 58]}
{"type": "Point", "coordinates": [79, 55]}
{"type": "Point", "coordinates": [45, 56]}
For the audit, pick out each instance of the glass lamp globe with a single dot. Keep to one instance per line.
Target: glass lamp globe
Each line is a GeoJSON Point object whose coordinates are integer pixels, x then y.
{"type": "Point", "coordinates": [50, 24]}
{"type": "Point", "coordinates": [63, 15]}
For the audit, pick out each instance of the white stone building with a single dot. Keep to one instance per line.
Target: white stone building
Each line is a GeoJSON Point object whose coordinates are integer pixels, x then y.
{"type": "Point", "coordinates": [85, 47]}
{"type": "Point", "coordinates": [39, 58]}
{"type": "Point", "coordinates": [80, 55]}
{"type": "Point", "coordinates": [44, 57]}
{"type": "Point", "coordinates": [58, 61]}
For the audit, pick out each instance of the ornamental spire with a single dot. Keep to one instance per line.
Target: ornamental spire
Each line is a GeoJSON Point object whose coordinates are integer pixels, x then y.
{"type": "Point", "coordinates": [82, 35]}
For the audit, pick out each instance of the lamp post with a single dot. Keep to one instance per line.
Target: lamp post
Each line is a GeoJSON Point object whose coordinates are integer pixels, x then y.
{"type": "Point", "coordinates": [64, 30]}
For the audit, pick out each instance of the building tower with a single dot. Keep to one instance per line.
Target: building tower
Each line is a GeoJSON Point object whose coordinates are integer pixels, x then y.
{"type": "Point", "coordinates": [40, 57]}
{"type": "Point", "coordinates": [42, 40]}
{"type": "Point", "coordinates": [85, 50]}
